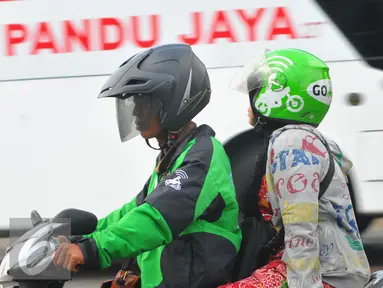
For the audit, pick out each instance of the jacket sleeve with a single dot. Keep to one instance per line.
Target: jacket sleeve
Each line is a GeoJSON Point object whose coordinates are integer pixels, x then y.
{"type": "Point", "coordinates": [116, 215]}
{"type": "Point", "coordinates": [166, 212]}
{"type": "Point", "coordinates": [297, 161]}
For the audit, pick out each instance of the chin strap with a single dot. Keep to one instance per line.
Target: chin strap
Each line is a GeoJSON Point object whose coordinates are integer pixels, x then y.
{"type": "Point", "coordinates": [148, 143]}
{"type": "Point", "coordinates": [259, 124]}
{"type": "Point", "coordinates": [172, 138]}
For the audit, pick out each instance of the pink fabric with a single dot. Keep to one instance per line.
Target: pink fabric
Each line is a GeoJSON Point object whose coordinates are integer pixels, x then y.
{"type": "Point", "coordinates": [273, 274]}
{"type": "Point", "coordinates": [270, 276]}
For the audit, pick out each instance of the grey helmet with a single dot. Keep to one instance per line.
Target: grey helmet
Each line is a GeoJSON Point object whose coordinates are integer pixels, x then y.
{"type": "Point", "coordinates": [167, 80]}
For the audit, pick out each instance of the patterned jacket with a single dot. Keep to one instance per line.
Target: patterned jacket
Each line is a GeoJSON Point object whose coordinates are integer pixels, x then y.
{"type": "Point", "coordinates": [322, 238]}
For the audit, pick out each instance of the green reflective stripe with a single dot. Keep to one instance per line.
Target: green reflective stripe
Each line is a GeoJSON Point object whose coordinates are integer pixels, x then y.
{"type": "Point", "coordinates": [160, 212]}
{"type": "Point", "coordinates": [203, 226]}
{"type": "Point", "coordinates": [206, 195]}
{"type": "Point", "coordinates": [150, 262]}
{"type": "Point", "coordinates": [148, 235]}
{"type": "Point", "coordinates": [180, 159]}
{"type": "Point", "coordinates": [155, 223]}
{"type": "Point", "coordinates": [113, 217]}
{"type": "Point", "coordinates": [150, 266]}
{"type": "Point", "coordinates": [128, 207]}
{"type": "Point", "coordinates": [227, 189]}
{"type": "Point", "coordinates": [226, 222]}
{"type": "Point", "coordinates": [177, 163]}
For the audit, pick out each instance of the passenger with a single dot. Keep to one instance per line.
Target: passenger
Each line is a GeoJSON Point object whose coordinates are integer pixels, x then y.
{"type": "Point", "coordinates": [290, 93]}
{"type": "Point", "coordinates": [183, 225]}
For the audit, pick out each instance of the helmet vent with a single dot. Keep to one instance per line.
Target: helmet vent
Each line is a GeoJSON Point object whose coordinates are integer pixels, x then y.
{"type": "Point", "coordinates": [136, 82]}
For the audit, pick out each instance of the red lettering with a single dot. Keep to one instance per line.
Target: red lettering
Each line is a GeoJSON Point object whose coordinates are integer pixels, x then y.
{"type": "Point", "coordinates": [195, 37]}
{"type": "Point", "coordinates": [296, 183]}
{"type": "Point", "coordinates": [281, 15]}
{"type": "Point", "coordinates": [220, 19]}
{"type": "Point", "coordinates": [71, 33]}
{"type": "Point", "coordinates": [310, 242]}
{"type": "Point", "coordinates": [315, 182]}
{"type": "Point", "coordinates": [153, 30]}
{"type": "Point", "coordinates": [280, 182]}
{"type": "Point", "coordinates": [297, 241]}
{"type": "Point", "coordinates": [251, 22]}
{"type": "Point", "coordinates": [304, 243]}
{"type": "Point", "coordinates": [118, 26]}
{"type": "Point", "coordinates": [44, 31]}
{"type": "Point", "coordinates": [11, 39]}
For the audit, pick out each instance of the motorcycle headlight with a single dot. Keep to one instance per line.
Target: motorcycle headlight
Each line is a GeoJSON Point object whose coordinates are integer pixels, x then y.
{"type": "Point", "coordinates": [5, 265]}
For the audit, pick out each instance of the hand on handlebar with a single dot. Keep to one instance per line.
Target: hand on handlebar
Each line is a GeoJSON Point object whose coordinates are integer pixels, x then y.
{"type": "Point", "coordinates": [62, 239]}
{"type": "Point", "coordinates": [68, 255]}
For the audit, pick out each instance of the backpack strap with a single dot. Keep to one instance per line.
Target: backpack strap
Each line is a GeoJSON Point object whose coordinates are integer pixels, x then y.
{"type": "Point", "coordinates": [279, 239]}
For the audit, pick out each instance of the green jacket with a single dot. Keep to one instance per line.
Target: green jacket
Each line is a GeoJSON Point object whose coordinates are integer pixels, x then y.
{"type": "Point", "coordinates": [183, 227]}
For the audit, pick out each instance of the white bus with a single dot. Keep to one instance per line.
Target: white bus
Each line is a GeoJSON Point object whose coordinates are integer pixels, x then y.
{"type": "Point", "coordinates": [59, 144]}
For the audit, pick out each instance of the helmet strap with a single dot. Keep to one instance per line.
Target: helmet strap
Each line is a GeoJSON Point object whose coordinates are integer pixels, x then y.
{"type": "Point", "coordinates": [172, 138]}
{"type": "Point", "coordinates": [148, 143]}
{"type": "Point", "coordinates": [259, 124]}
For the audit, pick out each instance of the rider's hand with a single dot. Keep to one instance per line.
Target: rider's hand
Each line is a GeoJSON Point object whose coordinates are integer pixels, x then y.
{"type": "Point", "coordinates": [251, 116]}
{"type": "Point", "coordinates": [62, 239]}
{"type": "Point", "coordinates": [68, 256]}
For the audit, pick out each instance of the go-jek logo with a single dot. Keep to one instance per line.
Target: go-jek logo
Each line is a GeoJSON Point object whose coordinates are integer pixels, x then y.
{"type": "Point", "coordinates": [36, 254]}
{"type": "Point", "coordinates": [176, 182]}
{"type": "Point", "coordinates": [321, 91]}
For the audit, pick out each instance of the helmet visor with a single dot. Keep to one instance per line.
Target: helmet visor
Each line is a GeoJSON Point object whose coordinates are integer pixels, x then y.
{"type": "Point", "coordinates": [253, 75]}
{"type": "Point", "coordinates": [135, 114]}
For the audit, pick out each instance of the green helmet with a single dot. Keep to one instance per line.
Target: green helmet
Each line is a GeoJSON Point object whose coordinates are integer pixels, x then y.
{"type": "Point", "coordinates": [287, 85]}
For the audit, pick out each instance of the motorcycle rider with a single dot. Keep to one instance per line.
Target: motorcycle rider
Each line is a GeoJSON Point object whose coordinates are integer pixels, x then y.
{"type": "Point", "coordinates": [290, 93]}
{"type": "Point", "coordinates": [183, 225]}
